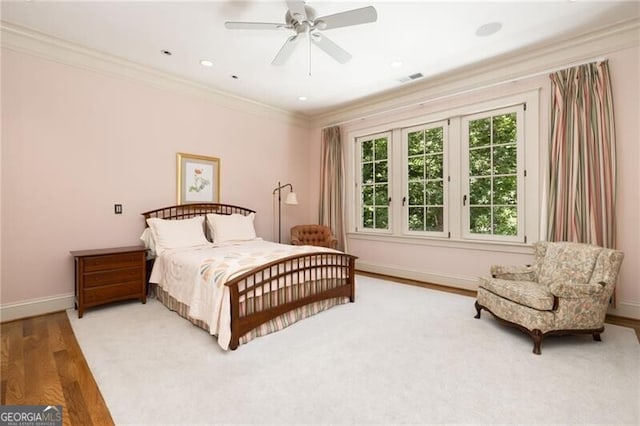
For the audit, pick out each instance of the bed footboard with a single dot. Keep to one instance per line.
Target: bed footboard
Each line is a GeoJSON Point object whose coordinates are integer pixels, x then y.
{"type": "Point", "coordinates": [281, 286]}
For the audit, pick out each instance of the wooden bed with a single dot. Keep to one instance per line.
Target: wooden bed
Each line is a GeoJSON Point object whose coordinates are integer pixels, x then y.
{"type": "Point", "coordinates": [320, 276]}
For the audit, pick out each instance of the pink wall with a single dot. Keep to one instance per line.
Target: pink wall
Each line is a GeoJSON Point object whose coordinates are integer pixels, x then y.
{"type": "Point", "coordinates": [75, 142]}
{"type": "Point", "coordinates": [466, 264]}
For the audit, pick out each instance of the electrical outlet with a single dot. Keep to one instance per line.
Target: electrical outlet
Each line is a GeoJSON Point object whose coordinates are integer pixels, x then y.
{"type": "Point", "coordinates": [117, 208]}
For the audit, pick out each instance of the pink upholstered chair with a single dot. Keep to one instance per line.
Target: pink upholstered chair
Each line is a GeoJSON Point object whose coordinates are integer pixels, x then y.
{"type": "Point", "coordinates": [313, 235]}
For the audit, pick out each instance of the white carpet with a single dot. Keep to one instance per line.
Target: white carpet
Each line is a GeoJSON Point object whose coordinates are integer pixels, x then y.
{"type": "Point", "coordinates": [400, 354]}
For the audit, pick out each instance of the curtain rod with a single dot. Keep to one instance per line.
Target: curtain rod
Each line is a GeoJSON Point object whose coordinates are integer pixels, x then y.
{"type": "Point", "coordinates": [486, 86]}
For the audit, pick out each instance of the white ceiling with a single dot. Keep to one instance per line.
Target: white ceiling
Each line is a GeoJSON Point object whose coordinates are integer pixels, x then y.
{"type": "Point", "coordinates": [429, 37]}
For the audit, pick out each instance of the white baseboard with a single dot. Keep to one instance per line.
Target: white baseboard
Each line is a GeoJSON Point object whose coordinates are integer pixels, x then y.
{"type": "Point", "coordinates": [625, 309]}
{"type": "Point", "coordinates": [457, 281]}
{"type": "Point", "coordinates": [33, 307]}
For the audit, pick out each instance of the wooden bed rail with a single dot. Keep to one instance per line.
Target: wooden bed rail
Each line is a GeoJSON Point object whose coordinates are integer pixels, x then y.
{"type": "Point", "coordinates": [186, 211]}
{"type": "Point", "coordinates": [278, 287]}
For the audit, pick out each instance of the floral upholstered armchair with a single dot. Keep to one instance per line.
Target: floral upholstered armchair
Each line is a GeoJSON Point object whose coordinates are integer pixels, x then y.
{"type": "Point", "coordinates": [566, 291]}
{"type": "Point", "coordinates": [313, 235]}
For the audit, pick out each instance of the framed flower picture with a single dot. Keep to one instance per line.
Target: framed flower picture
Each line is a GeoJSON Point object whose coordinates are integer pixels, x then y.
{"type": "Point", "coordinates": [198, 179]}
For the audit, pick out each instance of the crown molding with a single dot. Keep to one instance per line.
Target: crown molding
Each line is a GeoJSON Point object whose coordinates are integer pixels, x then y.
{"type": "Point", "coordinates": [28, 41]}
{"type": "Point", "coordinates": [518, 65]}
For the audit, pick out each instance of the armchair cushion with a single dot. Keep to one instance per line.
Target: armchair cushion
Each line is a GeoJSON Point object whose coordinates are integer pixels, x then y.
{"type": "Point", "coordinates": [569, 263]}
{"type": "Point", "coordinates": [513, 272]}
{"type": "Point", "coordinates": [525, 293]}
{"type": "Point", "coordinates": [575, 291]}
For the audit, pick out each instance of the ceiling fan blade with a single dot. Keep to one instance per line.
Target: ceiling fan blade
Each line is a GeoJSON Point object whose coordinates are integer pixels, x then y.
{"type": "Point", "coordinates": [286, 50]}
{"type": "Point", "coordinates": [363, 15]}
{"type": "Point", "coordinates": [254, 26]}
{"type": "Point", "coordinates": [296, 9]}
{"type": "Point", "coordinates": [332, 49]}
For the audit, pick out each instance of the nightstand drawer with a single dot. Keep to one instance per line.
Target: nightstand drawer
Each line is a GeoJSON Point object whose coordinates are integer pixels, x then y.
{"type": "Point", "coordinates": [95, 279]}
{"type": "Point", "coordinates": [112, 292]}
{"type": "Point", "coordinates": [111, 261]}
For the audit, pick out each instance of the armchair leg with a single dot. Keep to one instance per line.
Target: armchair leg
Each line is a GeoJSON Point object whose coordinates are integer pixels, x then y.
{"type": "Point", "coordinates": [478, 309]}
{"type": "Point", "coordinates": [537, 336]}
{"type": "Point", "coordinates": [596, 337]}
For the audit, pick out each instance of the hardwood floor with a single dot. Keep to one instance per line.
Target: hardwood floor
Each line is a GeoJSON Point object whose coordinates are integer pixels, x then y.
{"type": "Point", "coordinates": [42, 364]}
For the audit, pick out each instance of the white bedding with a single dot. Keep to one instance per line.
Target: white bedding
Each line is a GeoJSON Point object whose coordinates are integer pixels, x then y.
{"type": "Point", "coordinates": [195, 276]}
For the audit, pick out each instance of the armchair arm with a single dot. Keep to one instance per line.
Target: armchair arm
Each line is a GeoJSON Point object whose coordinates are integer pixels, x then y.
{"type": "Point", "coordinates": [296, 242]}
{"type": "Point", "coordinates": [516, 272]}
{"type": "Point", "coordinates": [576, 291]}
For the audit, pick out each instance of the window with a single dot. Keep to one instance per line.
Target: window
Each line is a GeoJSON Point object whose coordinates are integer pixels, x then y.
{"type": "Point", "coordinates": [467, 175]}
{"type": "Point", "coordinates": [493, 142]}
{"type": "Point", "coordinates": [374, 182]}
{"type": "Point", "coordinates": [425, 174]}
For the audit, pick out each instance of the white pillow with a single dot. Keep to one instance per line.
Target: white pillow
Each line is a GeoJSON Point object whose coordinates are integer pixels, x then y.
{"type": "Point", "coordinates": [170, 234]}
{"type": "Point", "coordinates": [149, 241]}
{"type": "Point", "coordinates": [231, 227]}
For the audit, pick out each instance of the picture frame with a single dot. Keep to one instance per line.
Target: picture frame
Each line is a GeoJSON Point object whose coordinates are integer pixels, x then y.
{"type": "Point", "coordinates": [198, 179]}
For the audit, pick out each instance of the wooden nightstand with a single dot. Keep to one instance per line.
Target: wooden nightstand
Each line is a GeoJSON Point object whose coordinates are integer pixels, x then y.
{"type": "Point", "coordinates": [108, 275]}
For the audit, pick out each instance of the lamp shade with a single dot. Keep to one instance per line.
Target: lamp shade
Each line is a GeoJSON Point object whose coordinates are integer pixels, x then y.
{"type": "Point", "coordinates": [291, 198]}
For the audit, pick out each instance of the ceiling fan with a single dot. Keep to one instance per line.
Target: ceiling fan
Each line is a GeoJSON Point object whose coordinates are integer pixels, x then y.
{"type": "Point", "coordinates": [302, 19]}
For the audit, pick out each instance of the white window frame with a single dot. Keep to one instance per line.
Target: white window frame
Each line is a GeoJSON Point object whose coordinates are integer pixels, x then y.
{"type": "Point", "coordinates": [533, 184]}
{"type": "Point", "coordinates": [358, 184]}
{"type": "Point", "coordinates": [445, 178]}
{"type": "Point", "coordinates": [466, 213]}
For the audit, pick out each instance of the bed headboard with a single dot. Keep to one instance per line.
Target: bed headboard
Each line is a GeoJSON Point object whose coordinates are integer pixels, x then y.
{"type": "Point", "coordinates": [186, 211]}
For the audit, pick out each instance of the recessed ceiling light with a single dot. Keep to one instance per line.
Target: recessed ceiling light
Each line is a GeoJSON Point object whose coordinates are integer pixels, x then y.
{"type": "Point", "coordinates": [206, 63]}
{"type": "Point", "coordinates": [302, 98]}
{"type": "Point", "coordinates": [166, 52]}
{"type": "Point", "coordinates": [396, 64]}
{"type": "Point", "coordinates": [235, 77]}
{"type": "Point", "coordinates": [488, 29]}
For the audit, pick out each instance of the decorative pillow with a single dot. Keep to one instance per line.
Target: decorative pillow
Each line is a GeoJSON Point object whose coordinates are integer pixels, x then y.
{"type": "Point", "coordinates": [231, 227]}
{"type": "Point", "coordinates": [169, 234]}
{"type": "Point", "coordinates": [568, 263]}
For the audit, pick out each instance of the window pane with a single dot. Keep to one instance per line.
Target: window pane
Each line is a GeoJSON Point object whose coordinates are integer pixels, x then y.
{"type": "Point", "coordinates": [504, 190]}
{"type": "Point", "coordinates": [434, 166]}
{"type": "Point", "coordinates": [416, 168]}
{"type": "Point", "coordinates": [367, 173]}
{"type": "Point", "coordinates": [505, 159]}
{"type": "Point", "coordinates": [433, 142]}
{"type": "Point", "coordinates": [479, 191]}
{"type": "Point", "coordinates": [480, 162]}
{"type": "Point", "coordinates": [367, 195]}
{"type": "Point", "coordinates": [416, 218]}
{"type": "Point", "coordinates": [434, 192]}
{"type": "Point", "coordinates": [416, 194]}
{"type": "Point", "coordinates": [504, 128]}
{"type": "Point", "coordinates": [367, 217]}
{"type": "Point", "coordinates": [434, 219]}
{"type": "Point", "coordinates": [480, 220]}
{"type": "Point", "coordinates": [382, 217]}
{"type": "Point", "coordinates": [381, 149]}
{"type": "Point", "coordinates": [415, 143]}
{"type": "Point", "coordinates": [381, 171]}
{"type": "Point", "coordinates": [505, 221]}
{"type": "Point", "coordinates": [381, 195]}
{"type": "Point", "coordinates": [367, 151]}
{"type": "Point", "coordinates": [479, 132]}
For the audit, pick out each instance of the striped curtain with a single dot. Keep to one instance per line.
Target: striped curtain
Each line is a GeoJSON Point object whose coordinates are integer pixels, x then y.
{"type": "Point", "coordinates": [332, 185]}
{"type": "Point", "coordinates": [582, 191]}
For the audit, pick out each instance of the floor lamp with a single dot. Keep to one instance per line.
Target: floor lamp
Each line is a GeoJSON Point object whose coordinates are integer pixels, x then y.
{"type": "Point", "coordinates": [291, 199]}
